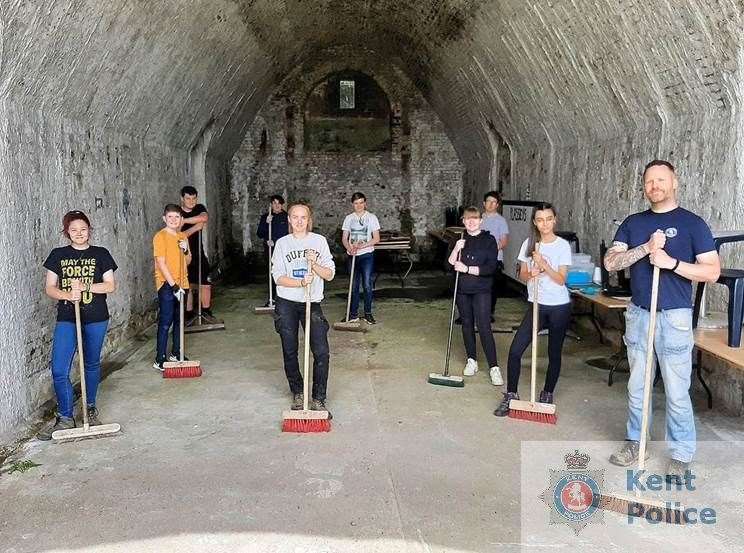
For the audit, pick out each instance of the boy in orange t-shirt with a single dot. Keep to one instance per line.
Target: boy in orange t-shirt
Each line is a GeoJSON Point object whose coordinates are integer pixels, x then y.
{"type": "Point", "coordinates": [172, 256]}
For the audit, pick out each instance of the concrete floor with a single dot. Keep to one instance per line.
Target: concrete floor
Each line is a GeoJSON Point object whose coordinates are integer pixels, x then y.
{"type": "Point", "coordinates": [201, 465]}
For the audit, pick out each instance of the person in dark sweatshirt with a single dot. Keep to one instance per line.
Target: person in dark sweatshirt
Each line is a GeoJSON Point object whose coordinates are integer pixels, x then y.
{"type": "Point", "coordinates": [476, 257]}
{"type": "Point", "coordinates": [277, 218]}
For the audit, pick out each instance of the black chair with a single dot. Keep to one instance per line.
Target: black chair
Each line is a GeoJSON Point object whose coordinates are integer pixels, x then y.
{"type": "Point", "coordinates": [570, 237]}
{"type": "Point", "coordinates": [734, 280]}
{"type": "Point", "coordinates": [623, 282]}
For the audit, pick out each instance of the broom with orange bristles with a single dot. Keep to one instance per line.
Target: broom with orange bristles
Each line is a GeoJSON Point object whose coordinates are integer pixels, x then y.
{"type": "Point", "coordinates": [181, 368]}
{"type": "Point", "coordinates": [306, 420]}
{"type": "Point", "coordinates": [532, 410]}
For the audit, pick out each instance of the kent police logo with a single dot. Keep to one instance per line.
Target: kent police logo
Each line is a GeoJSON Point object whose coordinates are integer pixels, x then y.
{"type": "Point", "coordinates": [573, 494]}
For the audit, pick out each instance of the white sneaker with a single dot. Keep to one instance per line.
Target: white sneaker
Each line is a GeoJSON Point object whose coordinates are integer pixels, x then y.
{"type": "Point", "coordinates": [471, 367]}
{"type": "Point", "coordinates": [496, 379]}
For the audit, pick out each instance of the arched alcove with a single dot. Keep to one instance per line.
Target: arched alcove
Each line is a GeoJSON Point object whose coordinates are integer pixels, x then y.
{"type": "Point", "coordinates": [347, 112]}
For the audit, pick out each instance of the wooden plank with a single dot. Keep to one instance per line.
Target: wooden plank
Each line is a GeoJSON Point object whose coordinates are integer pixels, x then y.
{"type": "Point", "coordinates": [438, 234]}
{"type": "Point", "coordinates": [605, 301]}
{"type": "Point", "coordinates": [715, 342]}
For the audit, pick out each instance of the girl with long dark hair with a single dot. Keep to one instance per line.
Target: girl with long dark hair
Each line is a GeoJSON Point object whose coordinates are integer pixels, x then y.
{"type": "Point", "coordinates": [544, 258]}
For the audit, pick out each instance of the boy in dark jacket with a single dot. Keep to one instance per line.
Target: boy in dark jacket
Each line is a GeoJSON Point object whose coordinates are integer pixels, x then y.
{"type": "Point", "coordinates": [476, 256]}
{"type": "Point", "coordinates": [277, 218]}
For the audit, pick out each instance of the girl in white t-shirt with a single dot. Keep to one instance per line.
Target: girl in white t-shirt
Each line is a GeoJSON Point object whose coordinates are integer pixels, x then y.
{"type": "Point", "coordinates": [545, 258]}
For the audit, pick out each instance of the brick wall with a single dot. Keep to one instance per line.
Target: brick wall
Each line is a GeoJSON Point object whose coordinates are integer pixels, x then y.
{"type": "Point", "coordinates": [407, 187]}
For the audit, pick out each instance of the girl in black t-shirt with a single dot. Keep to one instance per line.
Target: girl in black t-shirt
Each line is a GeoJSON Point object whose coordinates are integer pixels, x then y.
{"type": "Point", "coordinates": [84, 273]}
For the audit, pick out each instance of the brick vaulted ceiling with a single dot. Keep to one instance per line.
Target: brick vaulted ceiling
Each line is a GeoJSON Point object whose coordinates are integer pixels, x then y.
{"type": "Point", "coordinates": [533, 70]}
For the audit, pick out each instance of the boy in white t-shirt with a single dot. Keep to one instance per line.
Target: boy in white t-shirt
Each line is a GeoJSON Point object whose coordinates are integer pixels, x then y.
{"type": "Point", "coordinates": [293, 255]}
{"type": "Point", "coordinates": [361, 231]}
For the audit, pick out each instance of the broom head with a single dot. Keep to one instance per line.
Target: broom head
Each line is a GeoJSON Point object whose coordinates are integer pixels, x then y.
{"type": "Point", "coordinates": [449, 380]}
{"type": "Point", "coordinates": [637, 506]}
{"type": "Point", "coordinates": [203, 323]}
{"type": "Point", "coordinates": [305, 421]}
{"type": "Point", "coordinates": [264, 310]}
{"type": "Point", "coordinates": [533, 411]}
{"type": "Point", "coordinates": [355, 326]}
{"type": "Point", "coordinates": [85, 431]}
{"type": "Point", "coordinates": [182, 369]}
{"type": "Point", "coordinates": [204, 327]}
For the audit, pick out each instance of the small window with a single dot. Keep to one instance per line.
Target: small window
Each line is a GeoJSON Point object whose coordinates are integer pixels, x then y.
{"type": "Point", "coordinates": [346, 94]}
{"type": "Point", "coordinates": [346, 112]}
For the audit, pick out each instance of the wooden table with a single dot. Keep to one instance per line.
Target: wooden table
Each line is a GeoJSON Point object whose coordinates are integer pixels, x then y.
{"type": "Point", "coordinates": [714, 341]}
{"type": "Point", "coordinates": [600, 299]}
{"type": "Point", "coordinates": [444, 241]}
{"type": "Point", "coordinates": [401, 244]}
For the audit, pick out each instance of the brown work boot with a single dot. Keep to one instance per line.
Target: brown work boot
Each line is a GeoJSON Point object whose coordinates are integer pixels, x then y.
{"type": "Point", "coordinates": [677, 472]}
{"type": "Point", "coordinates": [93, 419]}
{"type": "Point", "coordinates": [319, 405]}
{"type": "Point", "coordinates": [628, 454]}
{"type": "Point", "coordinates": [60, 423]}
{"type": "Point", "coordinates": [298, 402]}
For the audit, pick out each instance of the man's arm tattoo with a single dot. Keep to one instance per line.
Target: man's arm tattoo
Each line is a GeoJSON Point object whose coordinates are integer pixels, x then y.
{"type": "Point", "coordinates": [618, 257]}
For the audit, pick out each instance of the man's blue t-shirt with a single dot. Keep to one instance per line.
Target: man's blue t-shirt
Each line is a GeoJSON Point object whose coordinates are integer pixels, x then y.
{"type": "Point", "coordinates": [687, 236]}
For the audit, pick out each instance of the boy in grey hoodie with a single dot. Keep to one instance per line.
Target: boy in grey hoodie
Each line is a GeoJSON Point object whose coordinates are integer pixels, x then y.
{"type": "Point", "coordinates": [302, 260]}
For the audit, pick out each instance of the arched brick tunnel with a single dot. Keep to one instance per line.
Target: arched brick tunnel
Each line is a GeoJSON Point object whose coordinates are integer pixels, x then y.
{"type": "Point", "coordinates": [111, 107]}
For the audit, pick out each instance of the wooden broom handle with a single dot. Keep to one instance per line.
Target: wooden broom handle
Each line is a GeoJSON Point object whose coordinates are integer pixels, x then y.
{"type": "Point", "coordinates": [452, 315]}
{"type": "Point", "coordinates": [271, 288]}
{"type": "Point", "coordinates": [81, 364]}
{"type": "Point", "coordinates": [650, 362]}
{"type": "Point", "coordinates": [535, 324]}
{"type": "Point", "coordinates": [199, 285]}
{"type": "Point", "coordinates": [306, 360]}
{"type": "Point", "coordinates": [351, 283]}
{"type": "Point", "coordinates": [181, 297]}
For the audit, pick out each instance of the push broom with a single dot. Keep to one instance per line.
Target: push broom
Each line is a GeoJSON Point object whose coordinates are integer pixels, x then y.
{"type": "Point", "coordinates": [182, 368]}
{"type": "Point", "coordinates": [87, 431]}
{"type": "Point", "coordinates": [202, 323]}
{"type": "Point", "coordinates": [445, 378]}
{"type": "Point", "coordinates": [637, 506]}
{"type": "Point", "coordinates": [267, 309]}
{"type": "Point", "coordinates": [350, 326]}
{"type": "Point", "coordinates": [532, 410]}
{"type": "Point", "coordinates": [305, 420]}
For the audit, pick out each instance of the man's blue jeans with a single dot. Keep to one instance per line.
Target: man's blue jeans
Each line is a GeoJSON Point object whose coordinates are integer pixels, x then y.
{"type": "Point", "coordinates": [673, 343]}
{"type": "Point", "coordinates": [168, 315]}
{"type": "Point", "coordinates": [63, 352]}
{"type": "Point", "coordinates": [364, 267]}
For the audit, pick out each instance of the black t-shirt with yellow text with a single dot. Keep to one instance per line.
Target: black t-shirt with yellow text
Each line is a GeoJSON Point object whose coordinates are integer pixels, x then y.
{"type": "Point", "coordinates": [88, 266]}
